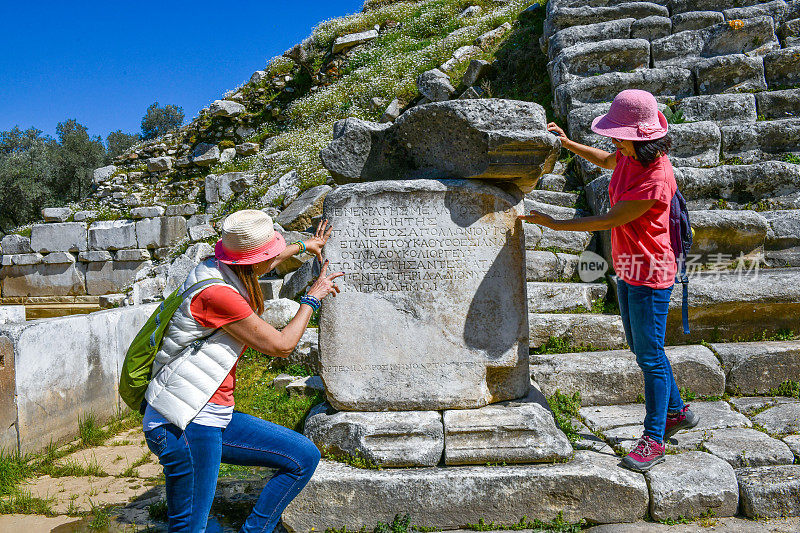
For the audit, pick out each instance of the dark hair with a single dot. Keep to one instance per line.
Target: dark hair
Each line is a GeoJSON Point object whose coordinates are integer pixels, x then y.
{"type": "Point", "coordinates": [649, 151]}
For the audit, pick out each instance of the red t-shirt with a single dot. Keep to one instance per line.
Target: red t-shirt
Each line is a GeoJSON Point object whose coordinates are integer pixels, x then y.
{"type": "Point", "coordinates": [213, 307]}
{"type": "Point", "coordinates": [641, 248]}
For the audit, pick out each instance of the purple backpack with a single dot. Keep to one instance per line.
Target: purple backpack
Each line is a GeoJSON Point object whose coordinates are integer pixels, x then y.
{"type": "Point", "coordinates": [680, 236]}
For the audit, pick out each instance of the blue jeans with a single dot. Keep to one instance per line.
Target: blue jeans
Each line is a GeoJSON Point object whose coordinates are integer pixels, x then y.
{"type": "Point", "coordinates": [191, 461]}
{"type": "Point", "coordinates": [644, 317]}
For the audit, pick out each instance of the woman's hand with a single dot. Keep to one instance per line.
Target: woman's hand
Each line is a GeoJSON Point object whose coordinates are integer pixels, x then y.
{"type": "Point", "coordinates": [538, 218]}
{"type": "Point", "coordinates": [314, 244]}
{"type": "Point", "coordinates": [324, 284]}
{"type": "Point", "coordinates": [555, 128]}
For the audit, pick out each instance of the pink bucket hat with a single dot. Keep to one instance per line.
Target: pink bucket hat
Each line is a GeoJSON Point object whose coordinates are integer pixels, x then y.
{"type": "Point", "coordinates": [634, 116]}
{"type": "Point", "coordinates": [248, 237]}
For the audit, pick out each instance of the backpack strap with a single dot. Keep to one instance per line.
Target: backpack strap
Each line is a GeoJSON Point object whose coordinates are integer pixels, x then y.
{"type": "Point", "coordinates": [199, 285]}
{"type": "Point", "coordinates": [684, 281]}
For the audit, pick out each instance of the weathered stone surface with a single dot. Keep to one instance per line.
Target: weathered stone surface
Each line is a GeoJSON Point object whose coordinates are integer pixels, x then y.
{"type": "Point", "coordinates": [205, 154]}
{"type": "Point", "coordinates": [278, 313]}
{"type": "Point", "coordinates": [671, 82]}
{"type": "Point", "coordinates": [589, 33]}
{"type": "Point", "coordinates": [59, 237]}
{"type": "Point", "coordinates": [132, 255]}
{"type": "Point", "coordinates": [93, 256]}
{"type": "Point", "coordinates": [201, 232]}
{"type": "Point", "coordinates": [782, 67]}
{"type": "Point", "coordinates": [695, 20]}
{"type": "Point", "coordinates": [608, 494]}
{"type": "Point", "coordinates": [246, 149]}
{"type": "Point", "coordinates": [160, 231]}
{"type": "Point", "coordinates": [283, 191]}
{"type": "Point", "coordinates": [296, 283]}
{"type": "Point", "coordinates": [44, 280]}
{"type": "Point", "coordinates": [58, 258]}
{"type": "Point", "coordinates": [15, 244]}
{"type": "Point", "coordinates": [225, 108]}
{"type": "Point", "coordinates": [721, 108]}
{"type": "Point", "coordinates": [392, 111]}
{"type": "Point", "coordinates": [691, 484]}
{"type": "Point", "coordinates": [751, 405]}
{"type": "Point", "coordinates": [598, 331]}
{"type": "Point", "coordinates": [781, 419]}
{"type": "Point", "coordinates": [490, 38]}
{"type": "Point", "coordinates": [112, 235]}
{"type": "Point", "coordinates": [739, 182]}
{"type": "Point", "coordinates": [651, 28]}
{"type": "Point", "coordinates": [220, 187]}
{"type": "Point", "coordinates": [112, 276]}
{"type": "Point", "coordinates": [102, 174]}
{"type": "Point", "coordinates": [435, 85]}
{"type": "Point", "coordinates": [768, 139]}
{"type": "Point", "coordinates": [790, 33]}
{"type": "Point", "coordinates": [550, 297]}
{"type": "Point", "coordinates": [12, 313]}
{"type": "Point", "coordinates": [779, 104]}
{"type": "Point", "coordinates": [754, 37]}
{"type": "Point", "coordinates": [613, 377]}
{"type": "Point", "coordinates": [227, 154]}
{"type": "Point", "coordinates": [477, 69]}
{"type": "Point", "coordinates": [353, 39]}
{"type": "Point", "coordinates": [757, 367]}
{"type": "Point", "coordinates": [729, 74]}
{"type": "Point", "coordinates": [180, 210]}
{"type": "Point", "coordinates": [159, 164]}
{"type": "Point", "coordinates": [558, 198]}
{"type": "Point", "coordinates": [56, 214]}
{"type": "Point", "coordinates": [301, 212]}
{"type": "Point", "coordinates": [599, 57]}
{"type": "Point", "coordinates": [775, 9]}
{"type": "Point", "coordinates": [485, 138]}
{"type": "Point", "coordinates": [713, 415]}
{"type": "Point", "coordinates": [281, 381]}
{"type": "Point", "coordinates": [744, 447]}
{"type": "Point", "coordinates": [388, 439]}
{"type": "Point", "coordinates": [25, 259]}
{"type": "Point", "coordinates": [728, 232]}
{"type": "Point", "coordinates": [548, 266]}
{"type": "Point", "coordinates": [695, 144]}
{"type": "Point", "coordinates": [510, 432]}
{"type": "Point", "coordinates": [683, 6]}
{"type": "Point", "coordinates": [82, 216]}
{"type": "Point", "coordinates": [770, 491]}
{"type": "Point", "coordinates": [147, 212]}
{"type": "Point", "coordinates": [563, 17]}
{"type": "Point", "coordinates": [793, 441]}
{"type": "Point", "coordinates": [306, 386]}
{"type": "Point", "coordinates": [183, 264]}
{"type": "Point", "coordinates": [448, 246]}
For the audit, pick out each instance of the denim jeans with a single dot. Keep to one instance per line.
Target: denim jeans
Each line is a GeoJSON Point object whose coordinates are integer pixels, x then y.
{"type": "Point", "coordinates": [191, 461]}
{"type": "Point", "coordinates": [644, 317]}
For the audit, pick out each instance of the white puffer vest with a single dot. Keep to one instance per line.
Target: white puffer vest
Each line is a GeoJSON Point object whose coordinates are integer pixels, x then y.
{"type": "Point", "coordinates": [193, 360]}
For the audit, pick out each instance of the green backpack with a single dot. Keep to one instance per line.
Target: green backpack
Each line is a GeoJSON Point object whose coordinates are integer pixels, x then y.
{"type": "Point", "coordinates": [138, 365]}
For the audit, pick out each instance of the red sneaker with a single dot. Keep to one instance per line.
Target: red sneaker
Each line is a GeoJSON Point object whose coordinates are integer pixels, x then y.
{"type": "Point", "coordinates": [683, 419]}
{"type": "Point", "coordinates": [644, 455]}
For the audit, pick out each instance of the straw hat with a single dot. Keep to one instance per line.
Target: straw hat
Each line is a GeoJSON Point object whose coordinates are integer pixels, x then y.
{"type": "Point", "coordinates": [633, 116]}
{"type": "Point", "coordinates": [248, 237]}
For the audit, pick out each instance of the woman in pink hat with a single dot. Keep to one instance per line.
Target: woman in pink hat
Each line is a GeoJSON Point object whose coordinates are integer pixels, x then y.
{"type": "Point", "coordinates": [189, 420]}
{"type": "Point", "coordinates": [641, 189]}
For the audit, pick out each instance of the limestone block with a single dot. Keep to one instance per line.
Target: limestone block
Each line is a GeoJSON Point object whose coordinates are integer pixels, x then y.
{"type": "Point", "coordinates": [65, 279]}
{"type": "Point", "coordinates": [609, 494]}
{"type": "Point", "coordinates": [770, 491]}
{"type": "Point", "coordinates": [12, 313]}
{"type": "Point", "coordinates": [695, 20]}
{"type": "Point", "coordinates": [598, 331]}
{"type": "Point", "coordinates": [683, 6]}
{"type": "Point", "coordinates": [691, 484]}
{"type": "Point", "coordinates": [112, 276]}
{"type": "Point", "coordinates": [278, 313]}
{"type": "Point", "coordinates": [477, 70]}
{"type": "Point", "coordinates": [218, 187]}
{"type": "Point", "coordinates": [306, 386]}
{"type": "Point", "coordinates": [779, 104]}
{"type": "Point", "coordinates": [246, 149]}
{"type": "Point", "coordinates": [59, 237]}
{"type": "Point", "coordinates": [757, 181]}
{"type": "Point", "coordinates": [58, 258]}
{"type": "Point", "coordinates": [793, 441]}
{"type": "Point", "coordinates": [651, 28]}
{"type": "Point", "coordinates": [721, 108]}
{"type": "Point", "coordinates": [485, 138]}
{"type": "Point", "coordinates": [160, 231]}
{"type": "Point", "coordinates": [306, 353]}
{"type": "Point", "coordinates": [549, 297]}
{"type": "Point", "coordinates": [93, 256]}
{"type": "Point", "coordinates": [83, 216]}
{"type": "Point", "coordinates": [227, 155]}
{"type": "Point", "coordinates": [589, 33]}
{"type": "Point", "coordinates": [183, 264]}
{"type": "Point", "coordinates": [552, 182]}
{"type": "Point", "coordinates": [790, 33]}
{"type": "Point", "coordinates": [185, 210]}
{"type": "Point", "coordinates": [782, 67]}
{"type": "Point", "coordinates": [757, 367]}
{"type": "Point", "coordinates": [112, 235]}
{"type": "Point", "coordinates": [392, 111]}
{"type": "Point", "coordinates": [225, 108]}
{"type": "Point", "coordinates": [752, 405]}
{"type": "Point", "coordinates": [56, 214]}
{"type": "Point", "coordinates": [780, 420]}
{"type": "Point", "coordinates": [353, 39]}
{"type": "Point", "coordinates": [205, 154]}
{"type": "Point", "coordinates": [302, 211]}
{"type": "Point", "coordinates": [102, 174]}
{"type": "Point", "coordinates": [695, 144]}
{"type": "Point", "coordinates": [160, 164]}
{"type": "Point", "coordinates": [487, 40]}
{"type": "Point", "coordinates": [132, 255]}
{"type": "Point", "coordinates": [775, 9]}
{"type": "Point", "coordinates": [767, 139]}
{"type": "Point", "coordinates": [728, 232]}
{"type": "Point", "coordinates": [431, 283]}
{"type": "Point", "coordinates": [147, 212]}
{"type": "Point", "coordinates": [388, 439]}
{"type": "Point", "coordinates": [729, 74]}
{"type": "Point", "coordinates": [15, 244]}
{"type": "Point", "coordinates": [744, 447]}
{"type": "Point", "coordinates": [509, 432]}
{"type": "Point", "coordinates": [542, 265]}
{"type": "Point", "coordinates": [587, 59]}
{"type": "Point", "coordinates": [784, 229]}
{"type": "Point", "coordinates": [296, 283]}
{"type": "Point", "coordinates": [435, 85]}
{"type": "Point", "coordinates": [613, 377]}
{"type": "Point", "coordinates": [201, 232]}
{"type": "Point", "coordinates": [563, 17]}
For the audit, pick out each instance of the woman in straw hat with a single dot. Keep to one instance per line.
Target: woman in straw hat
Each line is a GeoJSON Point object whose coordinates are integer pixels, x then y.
{"type": "Point", "coordinates": [641, 190]}
{"type": "Point", "coordinates": [189, 421]}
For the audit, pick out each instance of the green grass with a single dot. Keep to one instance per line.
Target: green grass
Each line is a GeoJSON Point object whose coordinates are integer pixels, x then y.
{"type": "Point", "coordinates": [561, 345]}
{"type": "Point", "coordinates": [158, 510]}
{"type": "Point", "coordinates": [789, 388]}
{"type": "Point", "coordinates": [792, 158]}
{"type": "Point", "coordinates": [14, 467]}
{"type": "Point", "coordinates": [90, 431]}
{"type": "Point", "coordinates": [21, 502]}
{"type": "Point", "coordinates": [101, 518]}
{"type": "Point", "coordinates": [355, 460]}
{"type": "Point", "coordinates": [558, 524]}
{"type": "Point", "coordinates": [131, 470]}
{"type": "Point", "coordinates": [565, 408]}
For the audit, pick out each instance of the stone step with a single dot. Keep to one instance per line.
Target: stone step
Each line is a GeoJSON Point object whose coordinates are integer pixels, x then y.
{"type": "Point", "coordinates": [769, 491]}
{"type": "Point", "coordinates": [782, 244]}
{"type": "Point", "coordinates": [723, 231]}
{"type": "Point", "coordinates": [740, 183]}
{"type": "Point", "coordinates": [544, 265]}
{"type": "Point", "coordinates": [539, 238]}
{"type": "Point", "coordinates": [763, 140]}
{"type": "Point", "coordinates": [550, 297]}
{"type": "Point", "coordinates": [586, 329]}
{"type": "Point", "coordinates": [450, 497]}
{"type": "Point", "coordinates": [613, 377]}
{"type": "Point", "coordinates": [757, 367]}
{"type": "Point", "coordinates": [735, 306]}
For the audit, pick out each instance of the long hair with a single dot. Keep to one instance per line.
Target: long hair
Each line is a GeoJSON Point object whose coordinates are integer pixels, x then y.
{"type": "Point", "coordinates": [649, 151]}
{"type": "Point", "coordinates": [250, 281]}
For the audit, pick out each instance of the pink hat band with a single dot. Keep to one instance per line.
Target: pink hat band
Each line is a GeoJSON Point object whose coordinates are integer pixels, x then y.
{"type": "Point", "coordinates": [267, 251]}
{"type": "Point", "coordinates": [248, 237]}
{"type": "Point", "coordinates": [634, 116]}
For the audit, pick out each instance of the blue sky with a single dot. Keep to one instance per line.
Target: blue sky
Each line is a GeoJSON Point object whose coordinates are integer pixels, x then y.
{"type": "Point", "coordinates": [104, 63]}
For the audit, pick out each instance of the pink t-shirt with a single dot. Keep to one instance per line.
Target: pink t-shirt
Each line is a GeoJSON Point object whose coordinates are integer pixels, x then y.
{"type": "Point", "coordinates": [641, 248]}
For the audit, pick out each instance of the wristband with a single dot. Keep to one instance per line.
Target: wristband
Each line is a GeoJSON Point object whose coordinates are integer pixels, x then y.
{"type": "Point", "coordinates": [302, 245]}
{"type": "Point", "coordinates": [311, 301]}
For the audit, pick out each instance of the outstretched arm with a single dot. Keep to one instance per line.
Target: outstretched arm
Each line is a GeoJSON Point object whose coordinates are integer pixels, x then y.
{"type": "Point", "coordinates": [621, 213]}
{"type": "Point", "coordinates": [596, 156]}
{"type": "Point", "coordinates": [313, 245]}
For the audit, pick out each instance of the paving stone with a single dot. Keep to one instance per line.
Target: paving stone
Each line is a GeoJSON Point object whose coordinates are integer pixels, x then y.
{"type": "Point", "coordinates": [721, 108]}
{"type": "Point", "coordinates": [609, 494]}
{"type": "Point", "coordinates": [770, 491]}
{"type": "Point", "coordinates": [752, 405]}
{"type": "Point", "coordinates": [781, 419]}
{"type": "Point", "coordinates": [757, 367]}
{"type": "Point", "coordinates": [726, 524]}
{"type": "Point", "coordinates": [112, 235]}
{"type": "Point", "coordinates": [743, 447]}
{"type": "Point", "coordinates": [388, 439]}
{"type": "Point", "coordinates": [713, 415]}
{"type": "Point", "coordinates": [59, 237]}
{"type": "Point", "coordinates": [692, 484]}
{"type": "Point", "coordinates": [589, 441]}
{"type": "Point", "coordinates": [598, 331]}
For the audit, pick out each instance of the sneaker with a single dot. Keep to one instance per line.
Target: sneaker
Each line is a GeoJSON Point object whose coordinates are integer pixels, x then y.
{"type": "Point", "coordinates": [644, 455]}
{"type": "Point", "coordinates": [683, 419]}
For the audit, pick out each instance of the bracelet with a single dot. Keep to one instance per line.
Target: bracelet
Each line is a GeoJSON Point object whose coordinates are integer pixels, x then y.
{"type": "Point", "coordinates": [302, 245]}
{"type": "Point", "coordinates": [311, 301]}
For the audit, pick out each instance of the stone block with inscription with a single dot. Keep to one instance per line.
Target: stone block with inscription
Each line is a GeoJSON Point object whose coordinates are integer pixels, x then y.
{"type": "Point", "coordinates": [433, 312]}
